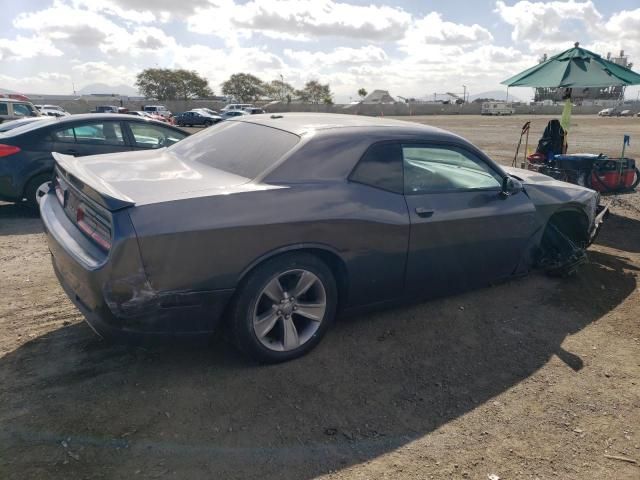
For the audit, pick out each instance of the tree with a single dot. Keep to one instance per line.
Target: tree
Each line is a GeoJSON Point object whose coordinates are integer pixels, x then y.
{"type": "Point", "coordinates": [170, 84]}
{"type": "Point", "coordinates": [190, 85]}
{"type": "Point", "coordinates": [279, 90]}
{"type": "Point", "coordinates": [362, 93]}
{"type": "Point", "coordinates": [244, 87]}
{"type": "Point", "coordinates": [315, 92]}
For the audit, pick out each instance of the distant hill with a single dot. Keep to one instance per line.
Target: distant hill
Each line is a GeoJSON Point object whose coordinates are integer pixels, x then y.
{"type": "Point", "coordinates": [495, 94]}
{"type": "Point", "coordinates": [103, 88]}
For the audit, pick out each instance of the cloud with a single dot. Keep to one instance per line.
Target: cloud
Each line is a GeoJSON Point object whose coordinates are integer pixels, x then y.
{"type": "Point", "coordinates": [349, 45]}
{"type": "Point", "coordinates": [143, 11]}
{"type": "Point", "coordinates": [340, 56]}
{"type": "Point", "coordinates": [622, 32]}
{"type": "Point", "coordinates": [82, 29]}
{"type": "Point", "coordinates": [550, 26]}
{"type": "Point", "coordinates": [433, 30]}
{"type": "Point", "coordinates": [301, 19]}
{"type": "Point", "coordinates": [27, 47]}
{"type": "Point", "coordinates": [432, 40]}
{"type": "Point", "coordinates": [41, 82]}
{"type": "Point", "coordinates": [92, 72]}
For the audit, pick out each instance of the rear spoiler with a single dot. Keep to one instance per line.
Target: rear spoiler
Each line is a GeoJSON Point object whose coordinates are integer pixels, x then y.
{"type": "Point", "coordinates": [92, 186]}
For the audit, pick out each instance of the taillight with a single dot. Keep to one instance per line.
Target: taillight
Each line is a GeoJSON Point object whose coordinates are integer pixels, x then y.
{"type": "Point", "coordinates": [93, 225]}
{"type": "Point", "coordinates": [6, 150]}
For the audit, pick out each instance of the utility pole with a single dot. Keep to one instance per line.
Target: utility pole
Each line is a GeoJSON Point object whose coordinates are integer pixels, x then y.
{"type": "Point", "coordinates": [464, 94]}
{"type": "Point", "coordinates": [281, 88]}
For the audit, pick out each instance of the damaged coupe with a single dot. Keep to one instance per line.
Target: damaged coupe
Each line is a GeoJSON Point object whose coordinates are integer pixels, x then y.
{"type": "Point", "coordinates": [274, 224]}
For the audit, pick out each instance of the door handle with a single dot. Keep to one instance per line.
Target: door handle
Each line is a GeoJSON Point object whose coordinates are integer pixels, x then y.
{"type": "Point", "coordinates": [424, 212]}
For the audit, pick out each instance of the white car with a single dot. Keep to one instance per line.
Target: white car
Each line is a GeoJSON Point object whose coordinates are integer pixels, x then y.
{"type": "Point", "coordinates": [53, 111]}
{"type": "Point", "coordinates": [626, 113]}
{"type": "Point", "coordinates": [606, 112]}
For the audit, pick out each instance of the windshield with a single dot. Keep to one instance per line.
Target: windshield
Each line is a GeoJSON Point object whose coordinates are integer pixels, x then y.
{"type": "Point", "coordinates": [240, 148]}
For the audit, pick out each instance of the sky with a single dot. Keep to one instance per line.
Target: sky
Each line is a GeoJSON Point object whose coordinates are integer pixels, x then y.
{"type": "Point", "coordinates": [411, 48]}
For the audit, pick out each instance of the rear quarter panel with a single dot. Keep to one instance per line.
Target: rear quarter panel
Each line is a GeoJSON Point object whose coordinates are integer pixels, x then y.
{"type": "Point", "coordinates": [206, 243]}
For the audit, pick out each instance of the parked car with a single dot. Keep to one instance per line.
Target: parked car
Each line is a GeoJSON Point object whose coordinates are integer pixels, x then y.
{"type": "Point", "coordinates": [626, 113]}
{"type": "Point", "coordinates": [606, 112]}
{"type": "Point", "coordinates": [11, 124]}
{"type": "Point", "coordinates": [12, 109]}
{"type": "Point", "coordinates": [236, 106]}
{"type": "Point", "coordinates": [278, 222]}
{"type": "Point", "coordinates": [26, 160]}
{"type": "Point", "coordinates": [106, 109]}
{"type": "Point", "coordinates": [53, 111]}
{"type": "Point", "coordinates": [140, 113]}
{"type": "Point", "coordinates": [233, 113]}
{"type": "Point", "coordinates": [191, 118]}
{"type": "Point", "coordinates": [158, 110]}
{"type": "Point", "coordinates": [204, 109]}
{"type": "Point", "coordinates": [253, 110]}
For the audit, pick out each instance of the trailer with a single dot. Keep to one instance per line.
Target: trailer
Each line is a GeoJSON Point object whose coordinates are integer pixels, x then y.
{"type": "Point", "coordinates": [497, 108]}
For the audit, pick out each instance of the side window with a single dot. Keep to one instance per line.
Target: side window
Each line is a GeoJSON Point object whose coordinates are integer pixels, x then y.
{"type": "Point", "coordinates": [4, 109]}
{"type": "Point", "coordinates": [65, 136]}
{"type": "Point", "coordinates": [102, 133]}
{"type": "Point", "coordinates": [154, 136]}
{"type": "Point", "coordinates": [380, 167]}
{"type": "Point", "coordinates": [429, 169]}
{"type": "Point", "coordinates": [22, 110]}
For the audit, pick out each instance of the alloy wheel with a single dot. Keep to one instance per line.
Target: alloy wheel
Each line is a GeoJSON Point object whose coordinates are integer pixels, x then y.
{"type": "Point", "coordinates": [289, 310]}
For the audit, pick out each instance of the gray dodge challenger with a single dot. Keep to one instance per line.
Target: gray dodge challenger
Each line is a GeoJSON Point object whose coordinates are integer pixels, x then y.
{"type": "Point", "coordinates": [274, 224]}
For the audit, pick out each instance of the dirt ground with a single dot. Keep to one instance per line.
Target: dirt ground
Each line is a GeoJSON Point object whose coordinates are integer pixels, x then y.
{"type": "Point", "coordinates": [536, 378]}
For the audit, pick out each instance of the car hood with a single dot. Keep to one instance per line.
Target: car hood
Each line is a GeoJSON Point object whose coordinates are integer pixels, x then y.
{"type": "Point", "coordinates": [151, 176]}
{"type": "Point", "coordinates": [529, 177]}
{"type": "Point", "coordinates": [546, 191]}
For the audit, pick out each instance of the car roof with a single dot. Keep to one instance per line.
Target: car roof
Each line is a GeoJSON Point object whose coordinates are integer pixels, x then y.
{"type": "Point", "coordinates": [93, 116]}
{"type": "Point", "coordinates": [7, 99]}
{"type": "Point", "coordinates": [301, 123]}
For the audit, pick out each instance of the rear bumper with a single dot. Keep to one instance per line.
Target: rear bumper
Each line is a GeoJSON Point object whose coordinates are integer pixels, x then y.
{"type": "Point", "coordinates": [117, 298]}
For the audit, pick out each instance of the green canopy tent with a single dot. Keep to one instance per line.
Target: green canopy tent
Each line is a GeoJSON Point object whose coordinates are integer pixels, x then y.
{"type": "Point", "coordinates": [574, 68]}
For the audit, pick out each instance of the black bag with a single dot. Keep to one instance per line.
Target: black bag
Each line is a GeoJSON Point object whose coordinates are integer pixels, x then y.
{"type": "Point", "coordinates": [552, 141]}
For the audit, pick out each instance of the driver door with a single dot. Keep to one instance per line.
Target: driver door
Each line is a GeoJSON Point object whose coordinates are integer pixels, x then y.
{"type": "Point", "coordinates": [464, 233]}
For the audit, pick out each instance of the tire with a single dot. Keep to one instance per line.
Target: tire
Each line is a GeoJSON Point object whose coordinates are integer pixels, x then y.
{"type": "Point", "coordinates": [208, 123]}
{"type": "Point", "coordinates": [284, 333]}
{"type": "Point", "coordinates": [31, 190]}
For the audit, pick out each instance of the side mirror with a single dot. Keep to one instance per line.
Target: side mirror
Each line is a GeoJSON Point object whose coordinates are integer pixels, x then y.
{"type": "Point", "coordinates": [510, 186]}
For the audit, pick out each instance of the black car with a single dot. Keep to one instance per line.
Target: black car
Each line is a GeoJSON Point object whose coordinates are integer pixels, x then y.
{"type": "Point", "coordinates": [25, 152]}
{"type": "Point", "coordinates": [277, 222]}
{"type": "Point", "coordinates": [200, 117]}
{"type": "Point", "coordinates": [21, 122]}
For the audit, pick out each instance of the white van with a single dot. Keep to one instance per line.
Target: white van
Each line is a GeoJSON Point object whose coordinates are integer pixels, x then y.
{"type": "Point", "coordinates": [497, 108]}
{"type": "Point", "coordinates": [158, 110]}
{"type": "Point", "coordinates": [237, 106]}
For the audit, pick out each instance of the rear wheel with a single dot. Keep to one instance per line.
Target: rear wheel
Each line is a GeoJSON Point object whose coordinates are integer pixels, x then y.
{"type": "Point", "coordinates": [35, 189]}
{"type": "Point", "coordinates": [284, 308]}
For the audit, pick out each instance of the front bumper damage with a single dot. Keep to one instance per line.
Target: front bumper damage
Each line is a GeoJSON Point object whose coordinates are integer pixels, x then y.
{"type": "Point", "coordinates": [560, 254]}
